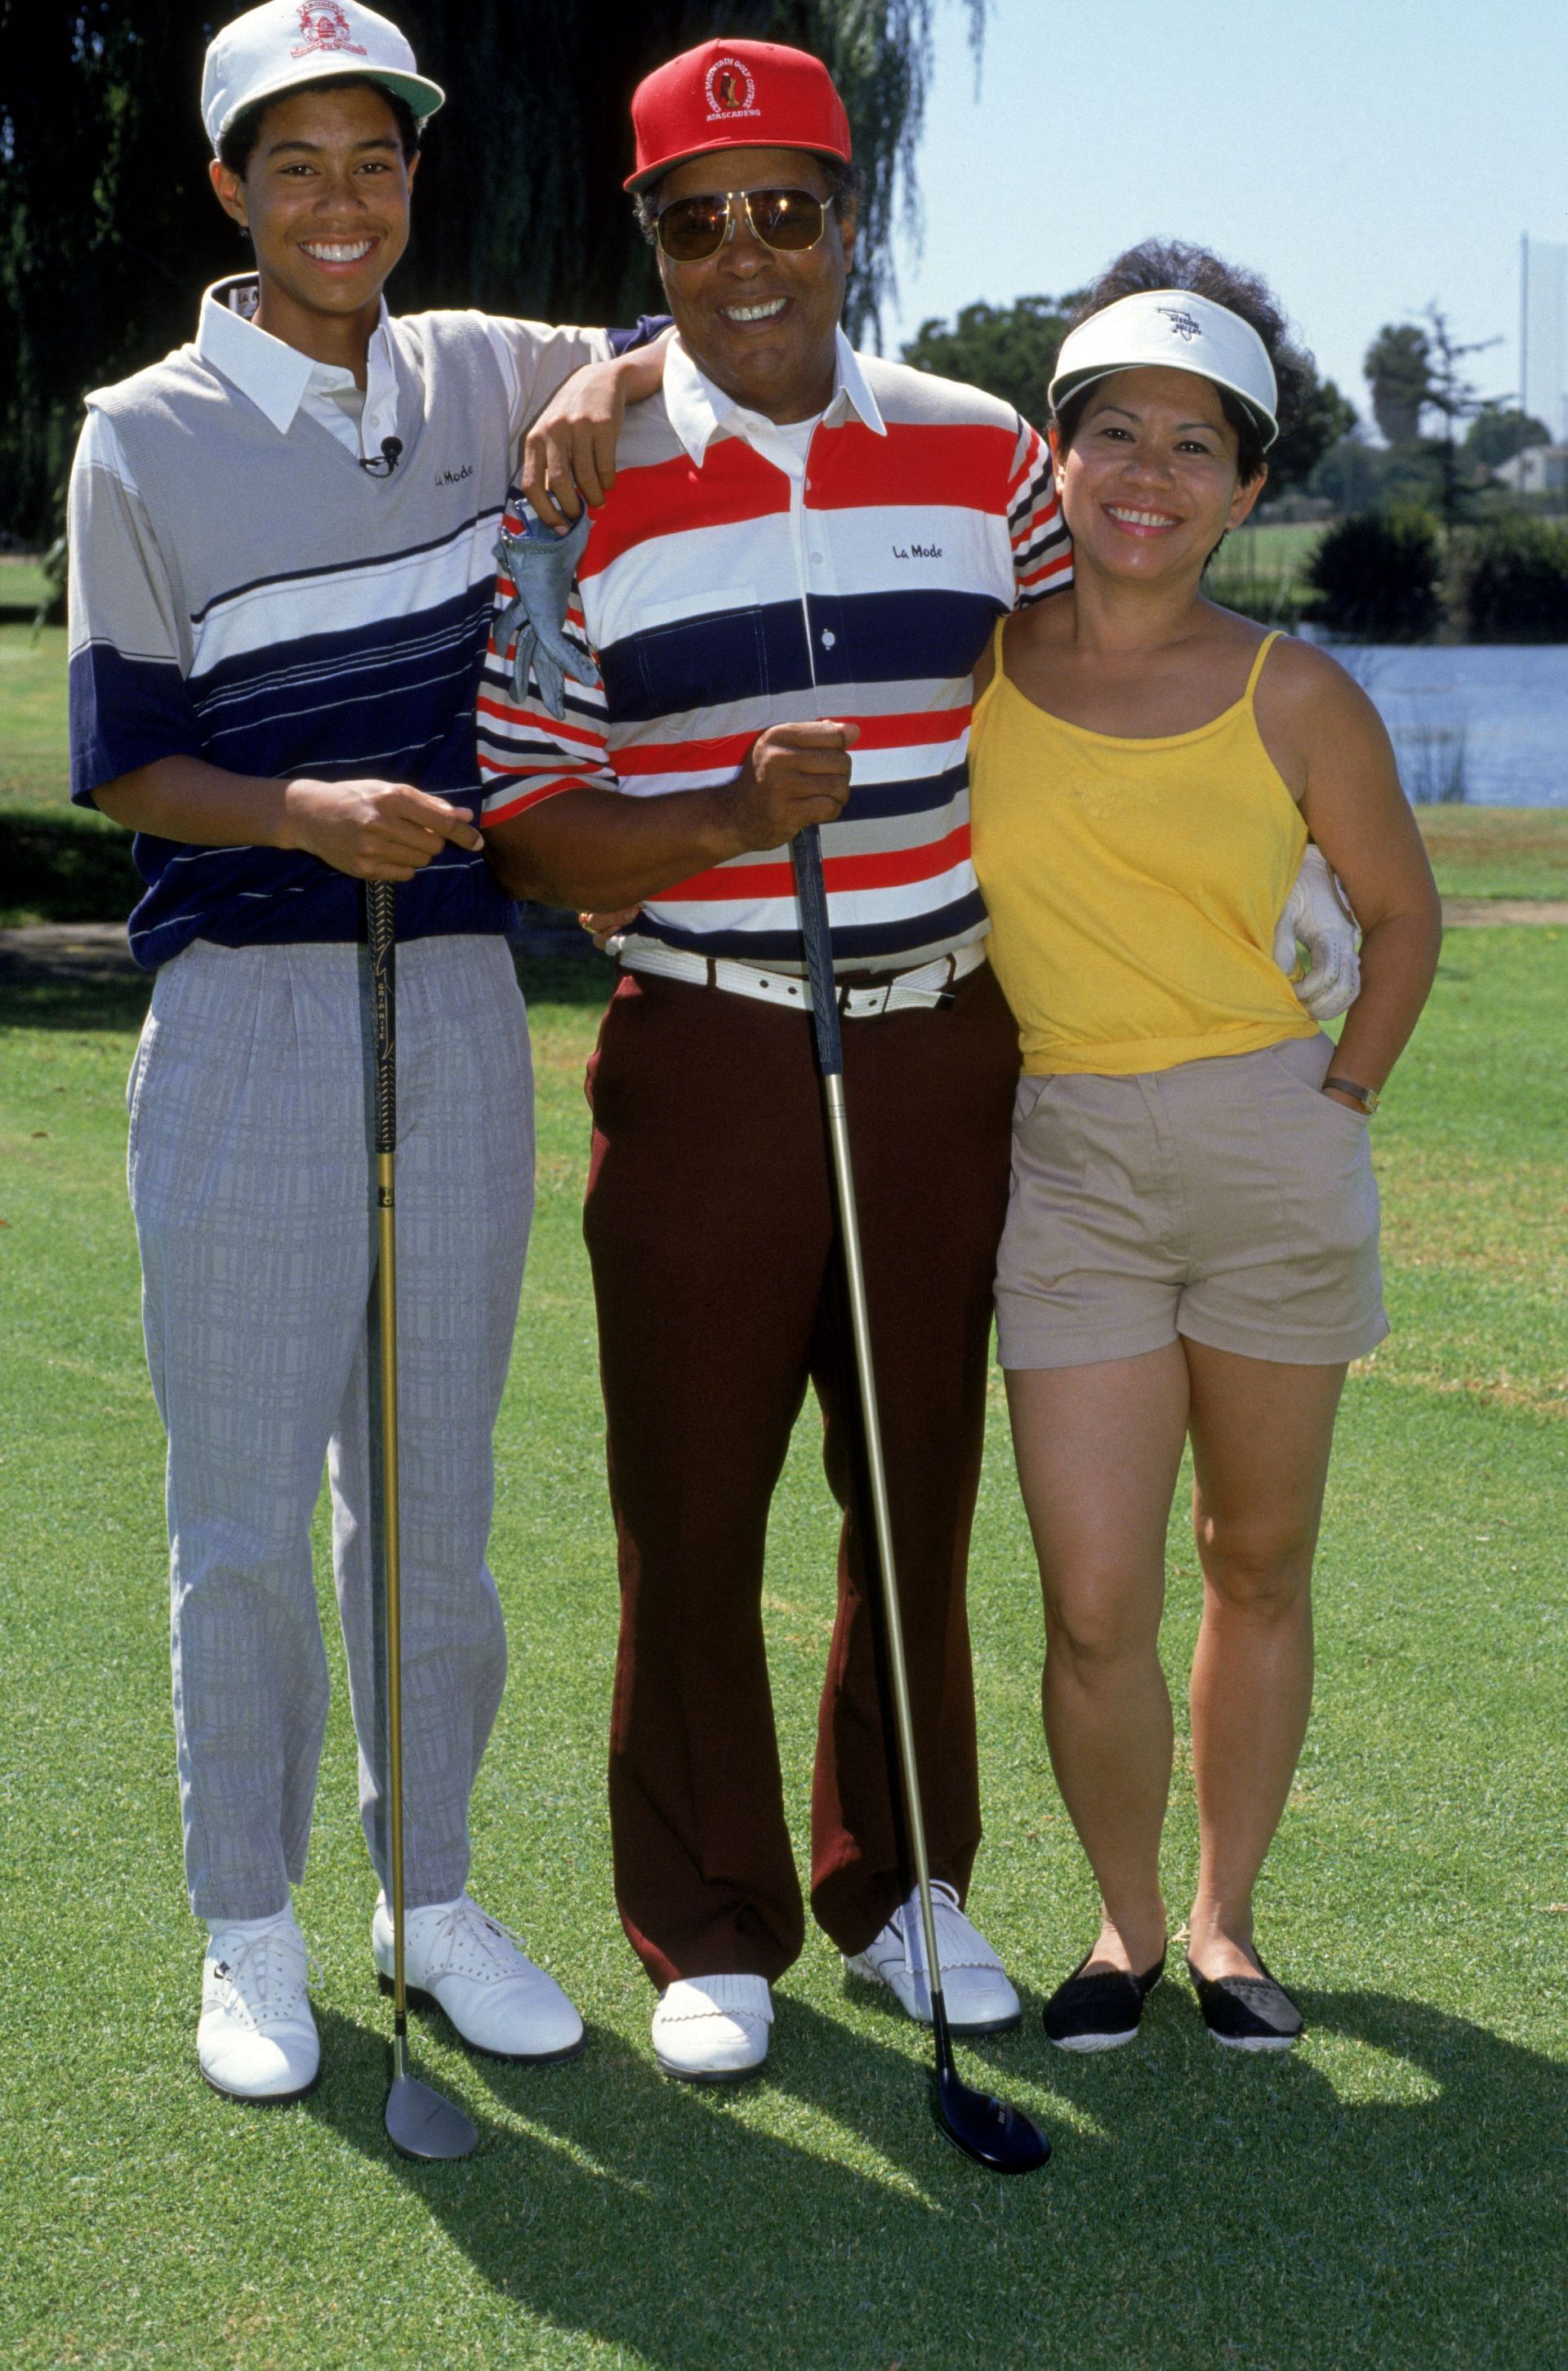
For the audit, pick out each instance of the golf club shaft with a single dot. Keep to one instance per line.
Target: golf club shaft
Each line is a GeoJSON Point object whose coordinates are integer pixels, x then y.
{"type": "Point", "coordinates": [810, 891]}
{"type": "Point", "coordinates": [381, 907]}
{"type": "Point", "coordinates": [876, 1475]}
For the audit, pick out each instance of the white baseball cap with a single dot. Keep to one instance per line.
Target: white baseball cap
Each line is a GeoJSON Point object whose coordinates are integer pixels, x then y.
{"type": "Point", "coordinates": [286, 42]}
{"type": "Point", "coordinates": [1169, 328]}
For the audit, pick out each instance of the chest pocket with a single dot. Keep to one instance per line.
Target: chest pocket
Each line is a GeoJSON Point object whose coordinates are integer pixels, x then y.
{"type": "Point", "coordinates": [702, 650]}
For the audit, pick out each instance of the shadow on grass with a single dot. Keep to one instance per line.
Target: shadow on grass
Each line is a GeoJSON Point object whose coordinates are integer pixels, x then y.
{"type": "Point", "coordinates": [566, 978]}
{"type": "Point", "coordinates": [107, 992]}
{"type": "Point", "coordinates": [66, 867]}
{"type": "Point", "coordinates": [115, 1000]}
{"type": "Point", "coordinates": [1201, 2208]}
{"type": "Point", "coordinates": [71, 865]}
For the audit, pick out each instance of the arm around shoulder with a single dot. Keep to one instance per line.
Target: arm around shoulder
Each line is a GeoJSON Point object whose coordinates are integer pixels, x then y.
{"type": "Point", "coordinates": [570, 451]}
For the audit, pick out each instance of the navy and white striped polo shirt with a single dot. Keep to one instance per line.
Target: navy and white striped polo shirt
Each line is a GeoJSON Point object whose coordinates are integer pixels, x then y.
{"type": "Point", "coordinates": [243, 591]}
{"type": "Point", "coordinates": [732, 580]}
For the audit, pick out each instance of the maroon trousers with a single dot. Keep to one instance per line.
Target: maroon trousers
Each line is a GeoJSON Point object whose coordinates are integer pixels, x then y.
{"type": "Point", "coordinates": [709, 1232]}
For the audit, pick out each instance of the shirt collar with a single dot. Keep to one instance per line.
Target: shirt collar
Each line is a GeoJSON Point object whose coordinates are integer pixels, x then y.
{"type": "Point", "coordinates": [278, 377]}
{"type": "Point", "coordinates": [697, 410]}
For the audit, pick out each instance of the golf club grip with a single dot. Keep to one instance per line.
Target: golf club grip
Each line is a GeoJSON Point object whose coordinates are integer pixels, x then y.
{"type": "Point", "coordinates": [811, 892]}
{"type": "Point", "coordinates": [380, 912]}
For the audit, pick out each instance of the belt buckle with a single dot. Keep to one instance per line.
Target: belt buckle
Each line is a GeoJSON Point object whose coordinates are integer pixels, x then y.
{"type": "Point", "coordinates": [938, 1000]}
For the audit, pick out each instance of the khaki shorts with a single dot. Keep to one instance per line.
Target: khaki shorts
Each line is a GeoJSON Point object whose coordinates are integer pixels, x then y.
{"type": "Point", "coordinates": [1225, 1201]}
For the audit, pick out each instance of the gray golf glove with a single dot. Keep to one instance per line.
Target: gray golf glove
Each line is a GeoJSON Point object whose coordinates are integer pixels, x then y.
{"type": "Point", "coordinates": [1316, 912]}
{"type": "Point", "coordinates": [542, 566]}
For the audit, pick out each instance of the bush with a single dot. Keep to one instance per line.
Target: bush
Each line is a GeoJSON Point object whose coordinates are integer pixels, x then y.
{"type": "Point", "coordinates": [1513, 581]}
{"type": "Point", "coordinates": [1376, 577]}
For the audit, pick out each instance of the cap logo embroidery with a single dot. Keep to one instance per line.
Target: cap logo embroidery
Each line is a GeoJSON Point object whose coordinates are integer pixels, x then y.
{"type": "Point", "coordinates": [325, 27]}
{"type": "Point", "coordinates": [1182, 324]}
{"type": "Point", "coordinates": [730, 89]}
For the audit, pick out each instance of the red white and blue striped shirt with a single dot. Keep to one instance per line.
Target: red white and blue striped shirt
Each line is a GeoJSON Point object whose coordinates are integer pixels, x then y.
{"type": "Point", "coordinates": [733, 581]}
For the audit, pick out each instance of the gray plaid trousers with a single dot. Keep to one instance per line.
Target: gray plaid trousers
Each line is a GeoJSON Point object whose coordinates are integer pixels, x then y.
{"type": "Point", "coordinates": [251, 1182]}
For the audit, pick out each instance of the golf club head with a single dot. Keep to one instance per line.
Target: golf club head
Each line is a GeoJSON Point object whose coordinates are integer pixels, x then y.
{"type": "Point", "coordinates": [422, 2124]}
{"type": "Point", "coordinates": [1001, 2138]}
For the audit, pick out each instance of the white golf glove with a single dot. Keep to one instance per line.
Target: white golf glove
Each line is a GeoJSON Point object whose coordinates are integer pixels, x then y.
{"type": "Point", "coordinates": [1316, 912]}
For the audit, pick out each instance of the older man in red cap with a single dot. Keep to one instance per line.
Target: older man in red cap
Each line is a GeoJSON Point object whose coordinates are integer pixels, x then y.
{"type": "Point", "coordinates": [775, 614]}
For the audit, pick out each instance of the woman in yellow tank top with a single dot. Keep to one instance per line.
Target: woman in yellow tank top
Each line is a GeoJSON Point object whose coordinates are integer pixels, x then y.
{"type": "Point", "coordinates": [1190, 1245]}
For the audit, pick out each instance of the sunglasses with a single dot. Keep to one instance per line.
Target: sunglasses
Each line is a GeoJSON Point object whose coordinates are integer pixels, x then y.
{"type": "Point", "coordinates": [790, 221]}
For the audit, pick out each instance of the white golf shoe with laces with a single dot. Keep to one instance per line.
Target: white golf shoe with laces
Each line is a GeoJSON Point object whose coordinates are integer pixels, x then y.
{"type": "Point", "coordinates": [713, 2029]}
{"type": "Point", "coordinates": [257, 2039]}
{"type": "Point", "coordinates": [975, 1984]}
{"type": "Point", "coordinates": [468, 1964]}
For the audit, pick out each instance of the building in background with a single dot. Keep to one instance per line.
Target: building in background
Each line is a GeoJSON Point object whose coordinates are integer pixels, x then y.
{"type": "Point", "coordinates": [1538, 469]}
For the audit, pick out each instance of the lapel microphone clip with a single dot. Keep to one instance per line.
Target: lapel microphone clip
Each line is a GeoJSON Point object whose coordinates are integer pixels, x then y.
{"type": "Point", "coordinates": [382, 464]}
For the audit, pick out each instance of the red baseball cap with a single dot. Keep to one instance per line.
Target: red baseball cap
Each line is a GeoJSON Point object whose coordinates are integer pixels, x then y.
{"type": "Point", "coordinates": [735, 95]}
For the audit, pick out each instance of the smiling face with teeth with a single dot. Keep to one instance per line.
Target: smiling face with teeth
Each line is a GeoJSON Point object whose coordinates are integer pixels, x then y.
{"type": "Point", "coordinates": [761, 323]}
{"type": "Point", "coordinates": [325, 197]}
{"type": "Point", "coordinates": [1148, 476]}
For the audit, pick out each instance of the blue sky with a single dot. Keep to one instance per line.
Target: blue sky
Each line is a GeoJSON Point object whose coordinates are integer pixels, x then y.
{"type": "Point", "coordinates": [1366, 157]}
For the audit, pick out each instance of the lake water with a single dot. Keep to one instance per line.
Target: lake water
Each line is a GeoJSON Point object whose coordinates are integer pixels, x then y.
{"type": "Point", "coordinates": [1492, 716]}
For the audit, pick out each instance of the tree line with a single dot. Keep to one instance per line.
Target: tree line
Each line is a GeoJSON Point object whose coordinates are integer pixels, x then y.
{"type": "Point", "coordinates": [1441, 438]}
{"type": "Point", "coordinates": [108, 231]}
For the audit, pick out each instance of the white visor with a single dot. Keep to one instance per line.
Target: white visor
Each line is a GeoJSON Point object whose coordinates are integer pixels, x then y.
{"type": "Point", "coordinates": [285, 43]}
{"type": "Point", "coordinates": [1168, 329]}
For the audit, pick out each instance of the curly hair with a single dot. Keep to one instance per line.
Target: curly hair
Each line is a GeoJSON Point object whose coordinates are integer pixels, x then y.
{"type": "Point", "coordinates": [1157, 263]}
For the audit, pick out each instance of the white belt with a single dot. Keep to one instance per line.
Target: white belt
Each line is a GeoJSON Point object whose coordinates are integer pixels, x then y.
{"type": "Point", "coordinates": [929, 985]}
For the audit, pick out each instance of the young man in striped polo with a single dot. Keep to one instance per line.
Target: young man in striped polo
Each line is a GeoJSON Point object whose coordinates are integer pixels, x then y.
{"type": "Point", "coordinates": [803, 551]}
{"type": "Point", "coordinates": [280, 580]}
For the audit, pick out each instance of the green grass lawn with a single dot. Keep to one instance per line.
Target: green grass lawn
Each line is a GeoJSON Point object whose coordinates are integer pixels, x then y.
{"type": "Point", "coordinates": [1394, 2195]}
{"type": "Point", "coordinates": [1261, 568]}
{"type": "Point", "coordinates": [1498, 851]}
{"type": "Point", "coordinates": [22, 583]}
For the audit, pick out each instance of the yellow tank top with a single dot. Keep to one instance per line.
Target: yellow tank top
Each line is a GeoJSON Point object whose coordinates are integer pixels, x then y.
{"type": "Point", "coordinates": [1134, 886]}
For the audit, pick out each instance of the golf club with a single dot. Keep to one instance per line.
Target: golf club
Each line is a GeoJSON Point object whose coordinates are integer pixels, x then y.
{"type": "Point", "coordinates": [420, 2123]}
{"type": "Point", "coordinates": [1000, 2138]}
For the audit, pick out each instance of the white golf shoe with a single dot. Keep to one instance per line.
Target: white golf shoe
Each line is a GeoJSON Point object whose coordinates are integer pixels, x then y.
{"type": "Point", "coordinates": [257, 2038]}
{"type": "Point", "coordinates": [975, 1984]}
{"type": "Point", "coordinates": [713, 2029]}
{"type": "Point", "coordinates": [474, 1969]}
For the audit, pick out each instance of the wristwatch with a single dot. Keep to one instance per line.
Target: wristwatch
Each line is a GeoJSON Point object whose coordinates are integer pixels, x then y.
{"type": "Point", "coordinates": [1367, 1098]}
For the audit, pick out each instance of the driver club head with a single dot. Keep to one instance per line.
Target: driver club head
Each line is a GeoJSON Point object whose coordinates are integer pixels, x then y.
{"type": "Point", "coordinates": [1001, 2138]}
{"type": "Point", "coordinates": [422, 2124]}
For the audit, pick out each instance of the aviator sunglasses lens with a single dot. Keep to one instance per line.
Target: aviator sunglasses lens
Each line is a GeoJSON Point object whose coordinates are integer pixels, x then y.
{"type": "Point", "coordinates": [786, 218]}
{"type": "Point", "coordinates": [692, 229]}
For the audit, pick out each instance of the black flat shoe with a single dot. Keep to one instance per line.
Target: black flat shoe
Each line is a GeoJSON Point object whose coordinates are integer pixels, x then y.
{"type": "Point", "coordinates": [1248, 2012]}
{"type": "Point", "coordinates": [1101, 2011]}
